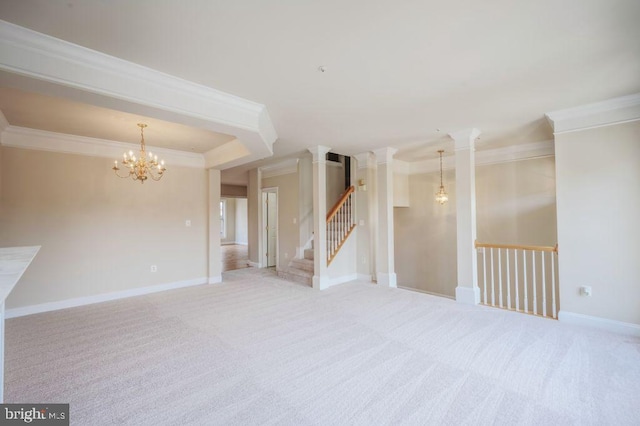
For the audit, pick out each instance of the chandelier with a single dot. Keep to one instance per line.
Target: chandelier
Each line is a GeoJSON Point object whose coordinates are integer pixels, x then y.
{"type": "Point", "coordinates": [141, 168]}
{"type": "Point", "coordinates": [441, 195]}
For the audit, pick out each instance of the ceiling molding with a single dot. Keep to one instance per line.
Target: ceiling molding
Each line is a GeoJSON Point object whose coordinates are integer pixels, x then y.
{"type": "Point", "coordinates": [483, 158]}
{"type": "Point", "coordinates": [384, 155]}
{"type": "Point", "coordinates": [21, 137]}
{"type": "Point", "coordinates": [280, 168]}
{"type": "Point", "coordinates": [27, 52]}
{"type": "Point", "coordinates": [599, 114]}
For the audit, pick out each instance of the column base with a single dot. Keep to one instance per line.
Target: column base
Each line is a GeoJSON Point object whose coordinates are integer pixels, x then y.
{"type": "Point", "coordinates": [468, 295]}
{"type": "Point", "coordinates": [320, 283]}
{"type": "Point", "coordinates": [387, 280]}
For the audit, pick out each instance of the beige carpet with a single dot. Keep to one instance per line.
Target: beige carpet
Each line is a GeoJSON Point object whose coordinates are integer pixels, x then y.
{"type": "Point", "coordinates": [258, 350]}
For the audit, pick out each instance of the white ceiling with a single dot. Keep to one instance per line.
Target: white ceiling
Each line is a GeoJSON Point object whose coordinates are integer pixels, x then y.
{"type": "Point", "coordinates": [396, 71]}
{"type": "Point", "coordinates": [54, 114]}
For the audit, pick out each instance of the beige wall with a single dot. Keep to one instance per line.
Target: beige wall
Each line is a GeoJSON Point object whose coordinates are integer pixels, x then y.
{"type": "Point", "coordinates": [425, 237]}
{"type": "Point", "coordinates": [288, 231]}
{"type": "Point", "coordinates": [230, 223]}
{"type": "Point", "coordinates": [99, 234]}
{"type": "Point", "coordinates": [236, 191]}
{"type": "Point", "coordinates": [335, 183]}
{"type": "Point", "coordinates": [253, 215]}
{"type": "Point", "coordinates": [515, 205]}
{"type": "Point", "coordinates": [598, 221]}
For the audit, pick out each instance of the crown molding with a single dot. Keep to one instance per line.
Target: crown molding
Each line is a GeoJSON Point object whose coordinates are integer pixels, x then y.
{"type": "Point", "coordinates": [29, 53]}
{"type": "Point", "coordinates": [21, 137]}
{"type": "Point", "coordinates": [384, 155]}
{"type": "Point", "coordinates": [598, 114]}
{"type": "Point", "coordinates": [366, 160]}
{"type": "Point", "coordinates": [483, 158]}
{"type": "Point", "coordinates": [319, 153]}
{"type": "Point", "coordinates": [280, 168]}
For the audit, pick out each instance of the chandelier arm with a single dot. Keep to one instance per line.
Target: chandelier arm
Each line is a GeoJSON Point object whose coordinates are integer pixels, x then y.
{"type": "Point", "coordinates": [119, 175]}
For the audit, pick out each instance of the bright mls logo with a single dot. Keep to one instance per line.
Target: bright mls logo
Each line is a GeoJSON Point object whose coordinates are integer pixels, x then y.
{"type": "Point", "coordinates": [37, 414]}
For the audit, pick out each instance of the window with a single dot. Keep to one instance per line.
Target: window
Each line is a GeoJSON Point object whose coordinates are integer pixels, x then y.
{"type": "Point", "coordinates": [223, 218]}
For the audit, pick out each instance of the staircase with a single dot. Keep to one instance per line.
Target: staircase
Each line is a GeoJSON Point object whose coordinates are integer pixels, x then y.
{"type": "Point", "coordinates": [300, 270]}
{"type": "Point", "coordinates": [340, 224]}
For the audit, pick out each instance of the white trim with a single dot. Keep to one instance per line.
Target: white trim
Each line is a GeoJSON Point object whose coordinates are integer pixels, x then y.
{"type": "Point", "coordinates": [366, 160]}
{"type": "Point", "coordinates": [599, 323]}
{"type": "Point", "coordinates": [254, 264]}
{"type": "Point", "coordinates": [335, 164]}
{"type": "Point", "coordinates": [341, 280]}
{"type": "Point", "coordinates": [99, 298]}
{"type": "Point", "coordinates": [598, 114]}
{"type": "Point", "coordinates": [215, 280]}
{"type": "Point", "coordinates": [597, 126]}
{"type": "Point", "coordinates": [384, 155]}
{"type": "Point", "coordinates": [29, 53]}
{"type": "Point", "coordinates": [364, 277]}
{"type": "Point", "coordinates": [22, 137]}
{"type": "Point", "coordinates": [430, 293]}
{"type": "Point", "coordinates": [468, 295]}
{"type": "Point", "coordinates": [483, 158]}
{"type": "Point", "coordinates": [386, 279]}
{"type": "Point", "coordinates": [280, 168]}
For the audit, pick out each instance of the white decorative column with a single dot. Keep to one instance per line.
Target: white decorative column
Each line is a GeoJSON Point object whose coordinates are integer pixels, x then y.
{"type": "Point", "coordinates": [320, 274]}
{"type": "Point", "coordinates": [367, 214]}
{"type": "Point", "coordinates": [215, 254]}
{"type": "Point", "coordinates": [467, 290]}
{"type": "Point", "coordinates": [385, 263]}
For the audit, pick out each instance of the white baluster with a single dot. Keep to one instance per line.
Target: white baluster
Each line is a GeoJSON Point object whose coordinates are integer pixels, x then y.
{"type": "Point", "coordinates": [534, 283]}
{"type": "Point", "coordinates": [553, 284]}
{"type": "Point", "coordinates": [544, 288]}
{"type": "Point", "coordinates": [526, 290]}
{"type": "Point", "coordinates": [484, 282]}
{"type": "Point", "coordinates": [508, 283]}
{"type": "Point", "coordinates": [500, 275]}
{"type": "Point", "coordinates": [515, 264]}
{"type": "Point", "coordinates": [493, 284]}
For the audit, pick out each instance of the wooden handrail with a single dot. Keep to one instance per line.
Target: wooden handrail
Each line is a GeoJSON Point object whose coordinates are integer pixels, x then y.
{"type": "Point", "coordinates": [517, 247]}
{"type": "Point", "coordinates": [340, 202]}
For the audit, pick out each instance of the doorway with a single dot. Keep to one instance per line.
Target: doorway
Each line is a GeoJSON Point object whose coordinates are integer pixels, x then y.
{"type": "Point", "coordinates": [270, 225]}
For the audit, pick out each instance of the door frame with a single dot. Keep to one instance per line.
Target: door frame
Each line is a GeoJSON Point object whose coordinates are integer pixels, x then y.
{"type": "Point", "coordinates": [265, 235]}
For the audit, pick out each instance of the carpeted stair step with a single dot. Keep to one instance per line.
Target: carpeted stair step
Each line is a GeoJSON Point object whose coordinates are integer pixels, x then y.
{"type": "Point", "coordinates": [308, 254]}
{"type": "Point", "coordinates": [302, 264]}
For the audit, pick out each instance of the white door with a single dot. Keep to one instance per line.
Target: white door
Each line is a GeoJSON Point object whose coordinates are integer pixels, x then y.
{"type": "Point", "coordinates": [270, 216]}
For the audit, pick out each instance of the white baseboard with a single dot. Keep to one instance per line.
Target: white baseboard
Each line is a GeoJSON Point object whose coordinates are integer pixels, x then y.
{"type": "Point", "coordinates": [215, 280]}
{"type": "Point", "coordinates": [232, 243]}
{"type": "Point", "coordinates": [341, 280]}
{"type": "Point", "coordinates": [430, 293]}
{"type": "Point", "coordinates": [241, 243]}
{"type": "Point", "coordinates": [365, 277]}
{"type": "Point", "coordinates": [98, 298]}
{"type": "Point", "coordinates": [599, 323]}
{"type": "Point", "coordinates": [387, 280]}
{"type": "Point", "coordinates": [468, 295]}
{"type": "Point", "coordinates": [254, 264]}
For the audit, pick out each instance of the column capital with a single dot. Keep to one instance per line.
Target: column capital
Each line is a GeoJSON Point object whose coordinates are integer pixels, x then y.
{"type": "Point", "coordinates": [366, 160]}
{"type": "Point", "coordinates": [384, 155]}
{"type": "Point", "coordinates": [465, 139]}
{"type": "Point", "coordinates": [319, 153]}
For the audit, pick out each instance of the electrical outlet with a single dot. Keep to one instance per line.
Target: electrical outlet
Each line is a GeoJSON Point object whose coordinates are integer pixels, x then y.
{"type": "Point", "coordinates": [154, 268]}
{"type": "Point", "coordinates": [295, 220]}
{"type": "Point", "coordinates": [187, 223]}
{"type": "Point", "coordinates": [361, 222]}
{"type": "Point", "coordinates": [585, 290]}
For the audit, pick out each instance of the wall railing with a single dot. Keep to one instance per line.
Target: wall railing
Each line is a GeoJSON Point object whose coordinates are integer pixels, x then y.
{"type": "Point", "coordinates": [521, 278]}
{"type": "Point", "coordinates": [340, 223]}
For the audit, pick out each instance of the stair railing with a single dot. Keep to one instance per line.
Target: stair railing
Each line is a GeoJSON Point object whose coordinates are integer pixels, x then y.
{"type": "Point", "coordinates": [519, 277]}
{"type": "Point", "coordinates": [340, 223]}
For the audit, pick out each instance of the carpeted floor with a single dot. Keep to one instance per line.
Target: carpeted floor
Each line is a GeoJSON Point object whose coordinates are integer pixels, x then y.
{"type": "Point", "coordinates": [258, 350]}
